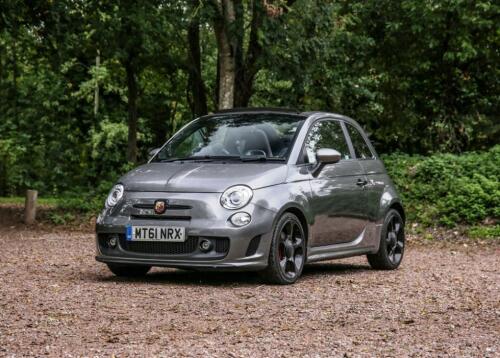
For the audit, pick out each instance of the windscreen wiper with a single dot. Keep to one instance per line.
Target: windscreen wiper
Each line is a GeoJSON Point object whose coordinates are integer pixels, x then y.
{"type": "Point", "coordinates": [261, 159]}
{"type": "Point", "coordinates": [209, 158]}
{"type": "Point", "coordinates": [203, 158]}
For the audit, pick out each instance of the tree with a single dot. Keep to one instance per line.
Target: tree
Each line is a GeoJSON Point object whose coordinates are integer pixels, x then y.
{"type": "Point", "coordinates": [237, 67]}
{"type": "Point", "coordinates": [420, 76]}
{"type": "Point", "coordinates": [198, 98]}
{"type": "Point", "coordinates": [137, 35]}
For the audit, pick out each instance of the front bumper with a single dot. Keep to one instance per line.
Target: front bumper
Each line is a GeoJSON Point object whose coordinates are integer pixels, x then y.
{"type": "Point", "coordinates": [251, 264]}
{"type": "Point", "coordinates": [203, 217]}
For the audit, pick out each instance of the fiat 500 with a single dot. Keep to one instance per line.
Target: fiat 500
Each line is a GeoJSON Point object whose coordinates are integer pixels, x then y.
{"type": "Point", "coordinates": [256, 190]}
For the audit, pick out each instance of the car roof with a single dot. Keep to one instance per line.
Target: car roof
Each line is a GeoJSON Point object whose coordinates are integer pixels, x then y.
{"type": "Point", "coordinates": [278, 110]}
{"type": "Point", "coordinates": [254, 110]}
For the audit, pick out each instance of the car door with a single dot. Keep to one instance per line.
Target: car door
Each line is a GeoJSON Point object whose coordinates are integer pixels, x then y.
{"type": "Point", "coordinates": [336, 195]}
{"type": "Point", "coordinates": [373, 169]}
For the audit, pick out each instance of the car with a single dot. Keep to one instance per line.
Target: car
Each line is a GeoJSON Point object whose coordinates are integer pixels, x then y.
{"type": "Point", "coordinates": [265, 190]}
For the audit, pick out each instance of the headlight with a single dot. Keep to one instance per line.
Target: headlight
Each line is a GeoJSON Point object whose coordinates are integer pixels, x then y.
{"type": "Point", "coordinates": [236, 197]}
{"type": "Point", "coordinates": [114, 195]}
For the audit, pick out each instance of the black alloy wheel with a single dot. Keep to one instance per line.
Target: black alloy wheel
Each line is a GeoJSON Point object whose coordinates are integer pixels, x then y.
{"type": "Point", "coordinates": [392, 243]}
{"type": "Point", "coordinates": [288, 251]}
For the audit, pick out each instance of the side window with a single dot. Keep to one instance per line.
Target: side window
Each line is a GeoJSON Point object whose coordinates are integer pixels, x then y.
{"type": "Point", "coordinates": [326, 134]}
{"type": "Point", "coordinates": [358, 142]}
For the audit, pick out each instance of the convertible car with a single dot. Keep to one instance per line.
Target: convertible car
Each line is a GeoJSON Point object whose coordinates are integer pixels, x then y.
{"type": "Point", "coordinates": [265, 190]}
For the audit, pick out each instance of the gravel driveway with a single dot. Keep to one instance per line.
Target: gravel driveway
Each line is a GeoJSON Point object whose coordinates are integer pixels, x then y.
{"type": "Point", "coordinates": [56, 300]}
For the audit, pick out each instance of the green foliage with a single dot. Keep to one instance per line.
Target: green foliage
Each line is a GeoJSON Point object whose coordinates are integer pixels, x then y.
{"type": "Point", "coordinates": [421, 76]}
{"type": "Point", "coordinates": [75, 208]}
{"type": "Point", "coordinates": [484, 232]}
{"type": "Point", "coordinates": [19, 200]}
{"type": "Point", "coordinates": [61, 218]}
{"type": "Point", "coordinates": [11, 172]}
{"type": "Point", "coordinates": [49, 133]}
{"type": "Point", "coordinates": [448, 189]}
{"type": "Point", "coordinates": [107, 151]}
{"type": "Point", "coordinates": [86, 202]}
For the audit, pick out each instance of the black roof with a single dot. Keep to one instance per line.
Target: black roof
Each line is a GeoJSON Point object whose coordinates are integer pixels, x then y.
{"type": "Point", "coordinates": [258, 109]}
{"type": "Point", "coordinates": [290, 111]}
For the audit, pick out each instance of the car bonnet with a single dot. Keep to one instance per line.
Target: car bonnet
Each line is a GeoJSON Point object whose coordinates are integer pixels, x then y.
{"type": "Point", "coordinates": [199, 177]}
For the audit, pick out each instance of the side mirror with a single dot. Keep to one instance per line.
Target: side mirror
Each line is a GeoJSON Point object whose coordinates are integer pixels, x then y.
{"type": "Point", "coordinates": [325, 156]}
{"type": "Point", "coordinates": [153, 152]}
{"type": "Point", "coordinates": [328, 156]}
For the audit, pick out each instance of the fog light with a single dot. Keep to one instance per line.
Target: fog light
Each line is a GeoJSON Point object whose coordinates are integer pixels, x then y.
{"type": "Point", "coordinates": [240, 219]}
{"type": "Point", "coordinates": [113, 241]}
{"type": "Point", "coordinates": [205, 245]}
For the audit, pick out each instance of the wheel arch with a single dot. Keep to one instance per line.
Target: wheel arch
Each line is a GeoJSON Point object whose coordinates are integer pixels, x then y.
{"type": "Point", "coordinates": [299, 212]}
{"type": "Point", "coordinates": [399, 208]}
{"type": "Point", "coordinates": [390, 199]}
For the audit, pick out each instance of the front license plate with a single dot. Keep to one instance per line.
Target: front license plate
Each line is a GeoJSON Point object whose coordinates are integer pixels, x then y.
{"type": "Point", "coordinates": [156, 233]}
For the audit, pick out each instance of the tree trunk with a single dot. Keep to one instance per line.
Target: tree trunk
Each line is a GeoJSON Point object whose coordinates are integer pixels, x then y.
{"type": "Point", "coordinates": [96, 88]}
{"type": "Point", "coordinates": [226, 45]}
{"type": "Point", "coordinates": [227, 68]}
{"type": "Point", "coordinates": [217, 81]}
{"type": "Point", "coordinates": [198, 102]}
{"type": "Point", "coordinates": [245, 73]}
{"type": "Point", "coordinates": [236, 73]}
{"type": "Point", "coordinates": [14, 72]}
{"type": "Point", "coordinates": [132, 112]}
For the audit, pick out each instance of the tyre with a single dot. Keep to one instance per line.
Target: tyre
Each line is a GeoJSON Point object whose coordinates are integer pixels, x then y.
{"type": "Point", "coordinates": [392, 243]}
{"type": "Point", "coordinates": [129, 270]}
{"type": "Point", "coordinates": [287, 254]}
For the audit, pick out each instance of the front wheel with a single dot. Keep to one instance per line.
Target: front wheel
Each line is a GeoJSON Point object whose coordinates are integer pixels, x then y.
{"type": "Point", "coordinates": [392, 243]}
{"type": "Point", "coordinates": [129, 270]}
{"type": "Point", "coordinates": [288, 251]}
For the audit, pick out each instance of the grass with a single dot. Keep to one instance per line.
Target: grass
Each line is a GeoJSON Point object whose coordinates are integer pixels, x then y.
{"type": "Point", "coordinates": [19, 200]}
{"type": "Point", "coordinates": [64, 210]}
{"type": "Point", "coordinates": [484, 232]}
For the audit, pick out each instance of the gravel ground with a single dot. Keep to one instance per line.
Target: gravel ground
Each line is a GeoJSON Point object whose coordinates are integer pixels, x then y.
{"type": "Point", "coordinates": [56, 300]}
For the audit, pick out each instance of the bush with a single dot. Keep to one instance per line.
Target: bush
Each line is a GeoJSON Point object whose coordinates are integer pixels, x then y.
{"type": "Point", "coordinates": [448, 189]}
{"type": "Point", "coordinates": [109, 143]}
{"type": "Point", "coordinates": [11, 173]}
{"type": "Point", "coordinates": [482, 232]}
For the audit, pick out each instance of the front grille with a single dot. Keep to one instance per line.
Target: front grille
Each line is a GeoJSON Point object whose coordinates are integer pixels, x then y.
{"type": "Point", "coordinates": [161, 217]}
{"type": "Point", "coordinates": [190, 246]}
{"type": "Point", "coordinates": [161, 248]}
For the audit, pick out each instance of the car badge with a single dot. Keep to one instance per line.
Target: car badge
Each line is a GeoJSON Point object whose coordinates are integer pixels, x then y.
{"type": "Point", "coordinates": [160, 206]}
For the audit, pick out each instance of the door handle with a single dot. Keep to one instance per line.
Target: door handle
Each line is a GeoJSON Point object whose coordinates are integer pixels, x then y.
{"type": "Point", "coordinates": [361, 182]}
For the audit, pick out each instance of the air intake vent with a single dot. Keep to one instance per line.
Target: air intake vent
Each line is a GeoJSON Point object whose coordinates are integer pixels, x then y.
{"type": "Point", "coordinates": [253, 246]}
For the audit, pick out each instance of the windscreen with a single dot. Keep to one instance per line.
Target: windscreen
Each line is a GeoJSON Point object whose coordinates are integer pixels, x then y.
{"type": "Point", "coordinates": [266, 136]}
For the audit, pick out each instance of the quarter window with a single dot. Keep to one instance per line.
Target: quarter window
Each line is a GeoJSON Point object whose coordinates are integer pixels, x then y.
{"type": "Point", "coordinates": [361, 149]}
{"type": "Point", "coordinates": [326, 134]}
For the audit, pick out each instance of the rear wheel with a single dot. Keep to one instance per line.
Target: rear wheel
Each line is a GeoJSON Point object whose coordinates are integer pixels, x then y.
{"type": "Point", "coordinates": [392, 243]}
{"type": "Point", "coordinates": [288, 251]}
{"type": "Point", "coordinates": [129, 270]}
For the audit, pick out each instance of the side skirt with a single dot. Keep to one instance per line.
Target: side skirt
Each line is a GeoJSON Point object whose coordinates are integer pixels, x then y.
{"type": "Point", "coordinates": [336, 251]}
{"type": "Point", "coordinates": [313, 257]}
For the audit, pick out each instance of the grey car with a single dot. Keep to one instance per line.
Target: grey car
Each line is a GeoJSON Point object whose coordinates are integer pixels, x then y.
{"type": "Point", "coordinates": [264, 190]}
